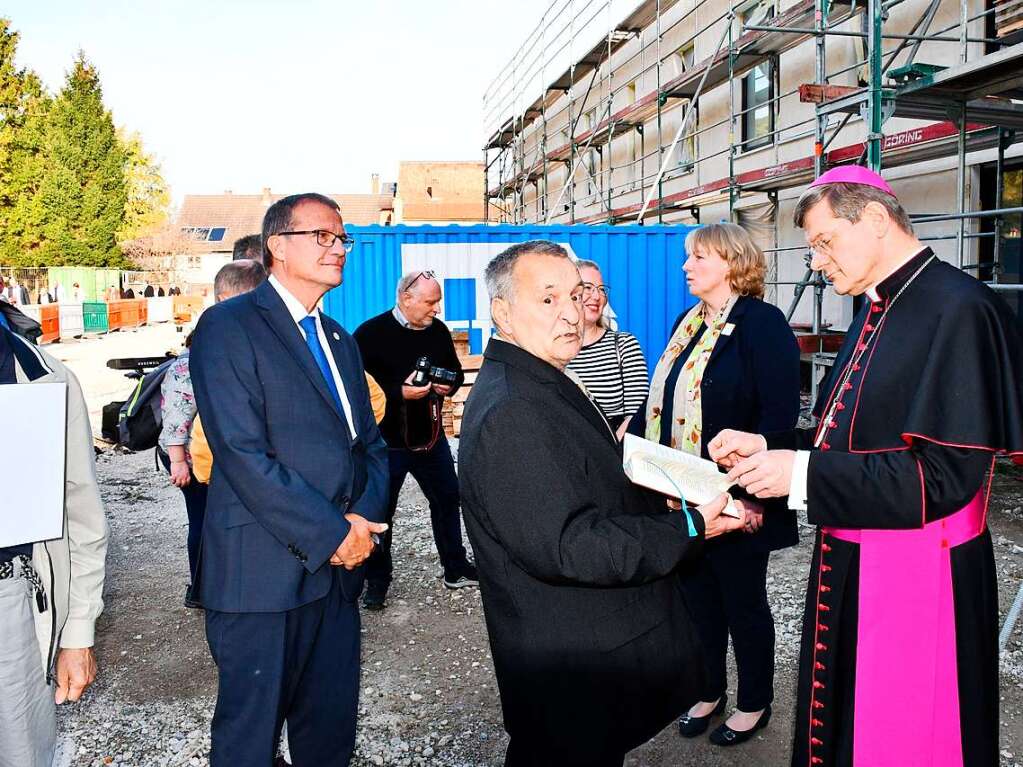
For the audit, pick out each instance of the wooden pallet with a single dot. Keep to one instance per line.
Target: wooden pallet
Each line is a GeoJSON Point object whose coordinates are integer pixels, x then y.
{"type": "Point", "coordinates": [454, 406]}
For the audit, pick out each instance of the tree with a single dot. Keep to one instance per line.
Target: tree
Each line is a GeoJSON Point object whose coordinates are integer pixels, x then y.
{"type": "Point", "coordinates": [155, 251]}
{"type": "Point", "coordinates": [83, 190]}
{"type": "Point", "coordinates": [24, 106]}
{"type": "Point", "coordinates": [147, 205]}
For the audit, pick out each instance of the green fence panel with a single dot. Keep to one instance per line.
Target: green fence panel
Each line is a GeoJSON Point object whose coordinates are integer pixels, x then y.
{"type": "Point", "coordinates": [94, 316]}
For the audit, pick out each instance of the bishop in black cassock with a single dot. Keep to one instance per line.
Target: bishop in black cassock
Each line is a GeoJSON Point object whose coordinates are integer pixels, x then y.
{"type": "Point", "coordinates": [899, 662]}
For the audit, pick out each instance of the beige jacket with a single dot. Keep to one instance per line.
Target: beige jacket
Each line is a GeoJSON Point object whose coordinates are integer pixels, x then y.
{"type": "Point", "coordinates": [71, 567]}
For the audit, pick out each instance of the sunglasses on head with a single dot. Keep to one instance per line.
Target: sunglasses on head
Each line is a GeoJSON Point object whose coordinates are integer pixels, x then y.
{"type": "Point", "coordinates": [428, 274]}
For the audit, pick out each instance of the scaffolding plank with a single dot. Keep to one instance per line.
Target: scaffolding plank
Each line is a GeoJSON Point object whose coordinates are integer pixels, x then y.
{"type": "Point", "coordinates": [917, 105]}
{"type": "Point", "coordinates": [905, 147]}
{"type": "Point", "coordinates": [815, 93]}
{"type": "Point", "coordinates": [998, 73]}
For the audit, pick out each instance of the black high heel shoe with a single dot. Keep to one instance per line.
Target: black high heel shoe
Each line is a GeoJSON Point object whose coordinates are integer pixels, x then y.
{"type": "Point", "coordinates": [691, 726]}
{"type": "Point", "coordinates": [726, 736]}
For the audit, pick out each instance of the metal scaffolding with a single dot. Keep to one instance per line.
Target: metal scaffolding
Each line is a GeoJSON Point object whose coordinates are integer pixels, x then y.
{"type": "Point", "coordinates": [972, 98]}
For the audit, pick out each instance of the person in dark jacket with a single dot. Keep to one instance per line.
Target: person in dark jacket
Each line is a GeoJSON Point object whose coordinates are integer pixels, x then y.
{"type": "Point", "coordinates": [593, 647]}
{"type": "Point", "coordinates": [392, 344]}
{"type": "Point", "coordinates": [732, 362]}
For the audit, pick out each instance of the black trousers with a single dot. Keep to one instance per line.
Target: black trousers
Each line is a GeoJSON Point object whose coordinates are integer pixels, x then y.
{"type": "Point", "coordinates": [434, 470]}
{"type": "Point", "coordinates": [726, 593]}
{"type": "Point", "coordinates": [195, 507]}
{"type": "Point", "coordinates": [301, 665]}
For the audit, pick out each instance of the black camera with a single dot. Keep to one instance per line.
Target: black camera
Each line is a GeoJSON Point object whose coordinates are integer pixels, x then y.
{"type": "Point", "coordinates": [426, 372]}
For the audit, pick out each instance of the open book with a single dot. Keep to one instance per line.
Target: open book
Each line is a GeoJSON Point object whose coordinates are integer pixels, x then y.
{"type": "Point", "coordinates": [674, 473]}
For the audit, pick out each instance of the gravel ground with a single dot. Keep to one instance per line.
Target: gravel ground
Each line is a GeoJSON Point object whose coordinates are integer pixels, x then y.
{"type": "Point", "coordinates": [428, 690]}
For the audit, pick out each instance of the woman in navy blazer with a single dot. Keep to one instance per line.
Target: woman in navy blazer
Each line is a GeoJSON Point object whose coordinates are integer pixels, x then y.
{"type": "Point", "coordinates": [732, 363]}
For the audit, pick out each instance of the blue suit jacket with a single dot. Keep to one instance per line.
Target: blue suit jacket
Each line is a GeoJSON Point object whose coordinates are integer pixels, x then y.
{"type": "Point", "coordinates": [285, 468]}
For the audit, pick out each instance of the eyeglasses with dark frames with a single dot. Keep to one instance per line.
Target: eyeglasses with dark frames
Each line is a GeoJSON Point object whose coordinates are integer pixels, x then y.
{"type": "Point", "coordinates": [428, 274]}
{"type": "Point", "coordinates": [325, 238]}
{"type": "Point", "coordinates": [589, 288]}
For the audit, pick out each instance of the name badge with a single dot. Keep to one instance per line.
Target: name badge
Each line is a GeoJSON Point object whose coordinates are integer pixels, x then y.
{"type": "Point", "coordinates": [728, 328]}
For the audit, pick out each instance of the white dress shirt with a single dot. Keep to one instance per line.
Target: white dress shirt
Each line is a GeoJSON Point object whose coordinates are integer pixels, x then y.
{"type": "Point", "coordinates": [298, 313]}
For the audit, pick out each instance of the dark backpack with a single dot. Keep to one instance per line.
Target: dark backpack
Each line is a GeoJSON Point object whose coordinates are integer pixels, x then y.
{"type": "Point", "coordinates": [140, 420]}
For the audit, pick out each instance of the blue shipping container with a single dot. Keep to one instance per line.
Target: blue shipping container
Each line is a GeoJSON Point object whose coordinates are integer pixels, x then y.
{"type": "Point", "coordinates": [641, 264]}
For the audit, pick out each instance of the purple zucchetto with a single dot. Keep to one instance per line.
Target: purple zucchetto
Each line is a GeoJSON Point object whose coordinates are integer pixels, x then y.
{"type": "Point", "coordinates": [853, 174]}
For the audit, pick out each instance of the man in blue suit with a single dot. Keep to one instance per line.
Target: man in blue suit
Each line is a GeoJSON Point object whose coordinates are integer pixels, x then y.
{"type": "Point", "coordinates": [298, 488]}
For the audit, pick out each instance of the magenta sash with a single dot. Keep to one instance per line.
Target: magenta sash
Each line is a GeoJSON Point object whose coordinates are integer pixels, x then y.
{"type": "Point", "coordinates": [907, 692]}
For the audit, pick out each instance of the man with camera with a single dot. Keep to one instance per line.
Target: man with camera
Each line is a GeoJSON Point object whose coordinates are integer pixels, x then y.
{"type": "Point", "coordinates": [411, 355]}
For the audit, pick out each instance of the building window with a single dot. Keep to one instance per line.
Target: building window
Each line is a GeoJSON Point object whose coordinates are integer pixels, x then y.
{"type": "Point", "coordinates": [204, 233]}
{"type": "Point", "coordinates": [686, 150]}
{"type": "Point", "coordinates": [628, 95]}
{"type": "Point", "coordinates": [682, 60]}
{"type": "Point", "coordinates": [758, 107]}
{"type": "Point", "coordinates": [593, 171]}
{"type": "Point", "coordinates": [757, 13]}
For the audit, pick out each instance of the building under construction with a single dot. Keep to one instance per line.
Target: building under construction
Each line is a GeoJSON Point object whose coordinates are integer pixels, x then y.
{"type": "Point", "coordinates": [707, 110]}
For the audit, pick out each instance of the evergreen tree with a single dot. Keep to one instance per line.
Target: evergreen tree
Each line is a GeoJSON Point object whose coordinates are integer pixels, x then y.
{"type": "Point", "coordinates": [83, 192]}
{"type": "Point", "coordinates": [23, 111]}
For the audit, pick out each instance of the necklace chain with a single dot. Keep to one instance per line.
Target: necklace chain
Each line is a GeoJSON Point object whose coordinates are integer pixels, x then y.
{"type": "Point", "coordinates": [858, 355]}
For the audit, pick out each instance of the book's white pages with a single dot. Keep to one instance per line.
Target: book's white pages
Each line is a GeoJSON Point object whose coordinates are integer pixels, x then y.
{"type": "Point", "coordinates": [674, 473]}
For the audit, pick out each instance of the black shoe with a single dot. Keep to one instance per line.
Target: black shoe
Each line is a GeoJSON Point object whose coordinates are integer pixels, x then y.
{"type": "Point", "coordinates": [691, 726]}
{"type": "Point", "coordinates": [726, 736]}
{"type": "Point", "coordinates": [461, 576]}
{"type": "Point", "coordinates": [375, 597]}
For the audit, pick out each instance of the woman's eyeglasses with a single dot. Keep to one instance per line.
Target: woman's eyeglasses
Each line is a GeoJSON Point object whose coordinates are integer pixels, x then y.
{"type": "Point", "coordinates": [589, 288]}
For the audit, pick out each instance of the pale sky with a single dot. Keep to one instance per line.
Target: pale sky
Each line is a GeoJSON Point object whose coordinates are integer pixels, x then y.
{"type": "Point", "coordinates": [295, 95]}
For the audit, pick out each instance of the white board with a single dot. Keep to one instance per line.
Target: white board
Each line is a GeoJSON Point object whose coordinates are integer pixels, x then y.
{"type": "Point", "coordinates": [32, 456]}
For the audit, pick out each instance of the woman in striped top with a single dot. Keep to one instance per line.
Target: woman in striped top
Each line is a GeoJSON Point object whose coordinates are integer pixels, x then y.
{"type": "Point", "coordinates": [610, 363]}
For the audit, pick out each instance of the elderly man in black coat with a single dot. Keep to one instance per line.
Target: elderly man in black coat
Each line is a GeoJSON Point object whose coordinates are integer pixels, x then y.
{"type": "Point", "coordinates": [593, 649]}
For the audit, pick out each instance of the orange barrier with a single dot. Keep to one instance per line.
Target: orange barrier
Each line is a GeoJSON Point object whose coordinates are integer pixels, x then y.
{"type": "Point", "coordinates": [143, 311]}
{"type": "Point", "coordinates": [49, 318]}
{"type": "Point", "coordinates": [187, 308]}
{"type": "Point", "coordinates": [115, 314]}
{"type": "Point", "coordinates": [130, 314]}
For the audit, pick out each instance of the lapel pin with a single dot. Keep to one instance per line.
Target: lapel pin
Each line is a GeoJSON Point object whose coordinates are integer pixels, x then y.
{"type": "Point", "coordinates": [727, 329]}
{"type": "Point", "coordinates": [337, 337]}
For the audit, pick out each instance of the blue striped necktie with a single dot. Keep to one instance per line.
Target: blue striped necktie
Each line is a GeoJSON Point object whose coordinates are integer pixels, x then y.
{"type": "Point", "coordinates": [312, 340]}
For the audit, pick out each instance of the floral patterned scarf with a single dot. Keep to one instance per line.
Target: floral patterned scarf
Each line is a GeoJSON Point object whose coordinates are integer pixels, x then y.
{"type": "Point", "coordinates": [687, 411]}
